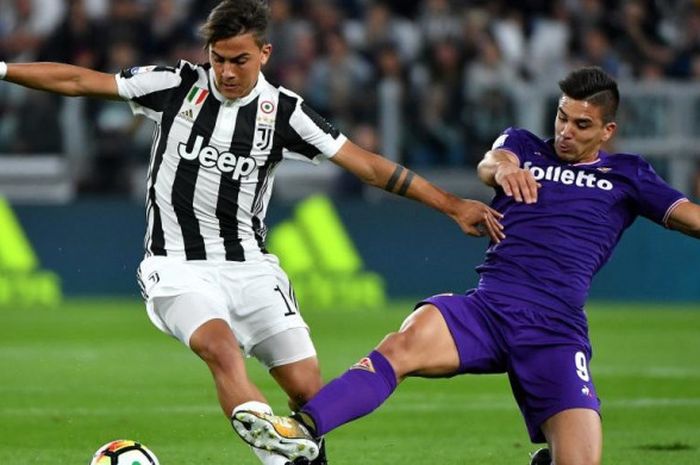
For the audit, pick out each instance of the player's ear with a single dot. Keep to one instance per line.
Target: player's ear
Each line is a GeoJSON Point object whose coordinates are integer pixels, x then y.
{"type": "Point", "coordinates": [265, 52]}
{"type": "Point", "coordinates": [609, 130]}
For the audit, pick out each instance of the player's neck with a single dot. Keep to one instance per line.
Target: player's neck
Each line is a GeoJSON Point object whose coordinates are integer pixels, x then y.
{"type": "Point", "coordinates": [588, 159]}
{"type": "Point", "coordinates": [240, 100]}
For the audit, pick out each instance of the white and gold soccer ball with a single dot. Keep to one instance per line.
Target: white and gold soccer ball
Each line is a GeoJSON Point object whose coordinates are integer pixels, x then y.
{"type": "Point", "coordinates": [124, 452]}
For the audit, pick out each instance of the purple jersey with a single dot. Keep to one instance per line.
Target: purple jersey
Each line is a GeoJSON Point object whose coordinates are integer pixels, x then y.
{"type": "Point", "coordinates": [554, 247]}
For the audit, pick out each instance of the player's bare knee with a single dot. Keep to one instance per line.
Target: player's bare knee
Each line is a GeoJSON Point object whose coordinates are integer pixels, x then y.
{"type": "Point", "coordinates": [397, 347]}
{"type": "Point", "coordinates": [391, 346]}
{"type": "Point", "coordinates": [214, 351]}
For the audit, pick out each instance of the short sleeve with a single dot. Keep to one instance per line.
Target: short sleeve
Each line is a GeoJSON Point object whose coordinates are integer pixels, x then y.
{"type": "Point", "coordinates": [307, 135]}
{"type": "Point", "coordinates": [148, 88]}
{"type": "Point", "coordinates": [655, 198]}
{"type": "Point", "coordinates": [511, 140]}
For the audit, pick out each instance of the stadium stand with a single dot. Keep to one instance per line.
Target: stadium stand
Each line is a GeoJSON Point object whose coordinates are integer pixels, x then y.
{"type": "Point", "coordinates": [437, 81]}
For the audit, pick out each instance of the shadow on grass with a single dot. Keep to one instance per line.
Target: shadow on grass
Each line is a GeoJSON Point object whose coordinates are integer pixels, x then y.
{"type": "Point", "coordinates": [667, 447]}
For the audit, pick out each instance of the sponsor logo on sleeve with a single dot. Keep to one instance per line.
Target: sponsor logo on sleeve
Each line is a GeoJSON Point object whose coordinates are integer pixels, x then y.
{"type": "Point", "coordinates": [131, 72]}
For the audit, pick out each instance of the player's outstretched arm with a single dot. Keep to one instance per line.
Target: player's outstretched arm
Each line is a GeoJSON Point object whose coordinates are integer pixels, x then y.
{"type": "Point", "coordinates": [686, 219]}
{"type": "Point", "coordinates": [475, 218]}
{"type": "Point", "coordinates": [502, 168]}
{"type": "Point", "coordinates": [61, 79]}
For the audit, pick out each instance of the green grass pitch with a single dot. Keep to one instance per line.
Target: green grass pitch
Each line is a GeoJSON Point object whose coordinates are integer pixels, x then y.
{"type": "Point", "coordinates": [91, 371]}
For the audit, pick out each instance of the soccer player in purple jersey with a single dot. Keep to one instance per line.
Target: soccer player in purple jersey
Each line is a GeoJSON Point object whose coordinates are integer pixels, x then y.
{"type": "Point", "coordinates": [566, 203]}
{"type": "Point", "coordinates": [220, 131]}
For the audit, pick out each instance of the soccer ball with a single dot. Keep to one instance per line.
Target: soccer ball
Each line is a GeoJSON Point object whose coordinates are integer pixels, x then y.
{"type": "Point", "coordinates": [124, 452]}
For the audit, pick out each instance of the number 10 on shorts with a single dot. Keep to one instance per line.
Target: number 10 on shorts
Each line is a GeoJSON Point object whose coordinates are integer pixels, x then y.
{"type": "Point", "coordinates": [294, 307]}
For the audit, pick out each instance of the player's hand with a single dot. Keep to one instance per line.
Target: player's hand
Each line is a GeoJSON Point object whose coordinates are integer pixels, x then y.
{"type": "Point", "coordinates": [478, 219]}
{"type": "Point", "coordinates": [517, 182]}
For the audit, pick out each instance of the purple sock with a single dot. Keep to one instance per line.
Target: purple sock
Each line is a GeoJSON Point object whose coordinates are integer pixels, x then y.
{"type": "Point", "coordinates": [357, 392]}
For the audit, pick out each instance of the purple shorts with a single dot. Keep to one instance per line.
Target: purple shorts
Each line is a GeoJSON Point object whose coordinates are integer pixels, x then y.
{"type": "Point", "coordinates": [546, 359]}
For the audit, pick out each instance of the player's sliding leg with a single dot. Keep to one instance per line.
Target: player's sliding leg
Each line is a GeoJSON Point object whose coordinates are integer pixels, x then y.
{"type": "Point", "coordinates": [575, 437]}
{"type": "Point", "coordinates": [359, 391]}
{"type": "Point", "coordinates": [422, 347]}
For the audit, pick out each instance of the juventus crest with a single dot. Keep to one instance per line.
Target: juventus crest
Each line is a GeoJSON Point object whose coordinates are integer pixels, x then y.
{"type": "Point", "coordinates": [264, 137]}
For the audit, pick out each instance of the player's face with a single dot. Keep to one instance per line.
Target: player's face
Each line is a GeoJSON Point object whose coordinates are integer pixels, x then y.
{"type": "Point", "coordinates": [579, 130]}
{"type": "Point", "coordinates": [236, 62]}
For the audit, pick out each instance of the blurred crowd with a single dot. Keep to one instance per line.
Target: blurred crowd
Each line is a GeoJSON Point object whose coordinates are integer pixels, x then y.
{"type": "Point", "coordinates": [429, 83]}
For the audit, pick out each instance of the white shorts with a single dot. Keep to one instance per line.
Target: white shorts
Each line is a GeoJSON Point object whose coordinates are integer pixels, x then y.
{"type": "Point", "coordinates": [254, 297]}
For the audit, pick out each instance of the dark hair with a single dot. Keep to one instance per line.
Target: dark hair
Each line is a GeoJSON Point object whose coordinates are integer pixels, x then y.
{"type": "Point", "coordinates": [593, 85]}
{"type": "Point", "coordinates": [231, 18]}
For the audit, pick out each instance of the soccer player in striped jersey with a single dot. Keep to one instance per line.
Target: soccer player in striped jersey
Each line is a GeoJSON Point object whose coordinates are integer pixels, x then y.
{"type": "Point", "coordinates": [220, 131]}
{"type": "Point", "coordinates": [566, 204]}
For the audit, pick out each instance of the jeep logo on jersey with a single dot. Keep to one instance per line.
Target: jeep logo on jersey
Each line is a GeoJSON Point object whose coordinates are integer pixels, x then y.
{"type": "Point", "coordinates": [210, 157]}
{"type": "Point", "coordinates": [568, 177]}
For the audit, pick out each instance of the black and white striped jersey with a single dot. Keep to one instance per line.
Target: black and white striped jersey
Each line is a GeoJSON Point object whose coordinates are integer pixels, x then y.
{"type": "Point", "coordinates": [213, 159]}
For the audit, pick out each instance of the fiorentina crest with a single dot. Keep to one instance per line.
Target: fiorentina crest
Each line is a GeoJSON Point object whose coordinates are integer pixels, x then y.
{"type": "Point", "coordinates": [364, 364]}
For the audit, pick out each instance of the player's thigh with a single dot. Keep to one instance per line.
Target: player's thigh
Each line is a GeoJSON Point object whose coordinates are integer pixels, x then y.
{"type": "Point", "coordinates": [179, 297]}
{"type": "Point", "coordinates": [447, 335]}
{"type": "Point", "coordinates": [550, 379]}
{"type": "Point", "coordinates": [575, 437]}
{"type": "Point", "coordinates": [263, 302]}
{"type": "Point", "coordinates": [423, 346]}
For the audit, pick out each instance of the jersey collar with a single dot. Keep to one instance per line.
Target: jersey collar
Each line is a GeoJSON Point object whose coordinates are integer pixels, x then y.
{"type": "Point", "coordinates": [601, 156]}
{"type": "Point", "coordinates": [239, 101]}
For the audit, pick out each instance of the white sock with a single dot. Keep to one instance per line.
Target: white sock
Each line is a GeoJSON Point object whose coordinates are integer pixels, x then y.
{"type": "Point", "coordinates": [267, 458]}
{"type": "Point", "coordinates": [254, 406]}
